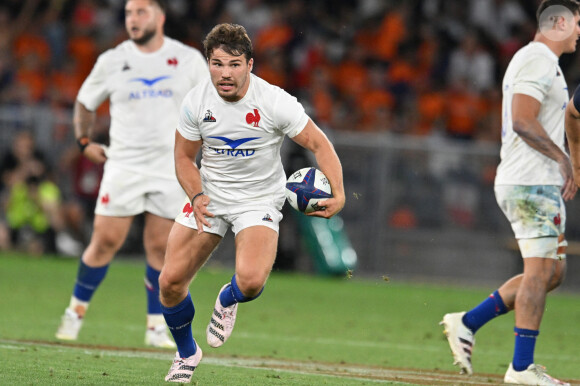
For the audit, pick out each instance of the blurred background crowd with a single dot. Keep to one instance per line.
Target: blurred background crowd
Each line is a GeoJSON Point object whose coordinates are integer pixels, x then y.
{"type": "Point", "coordinates": [410, 68]}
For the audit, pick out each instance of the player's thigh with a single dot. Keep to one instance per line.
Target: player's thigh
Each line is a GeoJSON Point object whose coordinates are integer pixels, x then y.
{"type": "Point", "coordinates": [255, 254]}
{"type": "Point", "coordinates": [109, 234]}
{"type": "Point", "coordinates": [187, 251]}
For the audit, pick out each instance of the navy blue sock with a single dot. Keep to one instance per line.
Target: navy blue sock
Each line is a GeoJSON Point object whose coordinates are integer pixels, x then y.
{"type": "Point", "coordinates": [524, 349]}
{"type": "Point", "coordinates": [232, 294]}
{"type": "Point", "coordinates": [152, 289]}
{"type": "Point", "coordinates": [179, 320]}
{"type": "Point", "coordinates": [490, 308]}
{"type": "Point", "coordinates": [88, 280]}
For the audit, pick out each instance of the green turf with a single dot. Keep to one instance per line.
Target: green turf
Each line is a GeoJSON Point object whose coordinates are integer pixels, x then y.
{"type": "Point", "coordinates": [44, 365]}
{"type": "Point", "coordinates": [298, 317]}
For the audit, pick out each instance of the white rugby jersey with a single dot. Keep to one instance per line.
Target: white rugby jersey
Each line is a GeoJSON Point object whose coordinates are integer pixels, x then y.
{"type": "Point", "coordinates": [241, 140]}
{"type": "Point", "coordinates": [533, 71]}
{"type": "Point", "coordinates": [145, 91]}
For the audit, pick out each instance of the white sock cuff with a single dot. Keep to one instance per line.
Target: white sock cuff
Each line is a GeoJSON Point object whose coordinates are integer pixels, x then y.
{"type": "Point", "coordinates": [155, 320]}
{"type": "Point", "coordinates": [75, 302]}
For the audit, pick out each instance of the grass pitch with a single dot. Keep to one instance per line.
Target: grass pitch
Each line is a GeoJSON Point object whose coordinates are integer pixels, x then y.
{"type": "Point", "coordinates": [303, 330]}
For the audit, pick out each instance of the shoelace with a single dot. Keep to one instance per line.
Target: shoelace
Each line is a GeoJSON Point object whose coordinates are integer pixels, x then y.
{"type": "Point", "coordinates": [227, 316]}
{"type": "Point", "coordinates": [176, 363]}
{"type": "Point", "coordinates": [541, 373]}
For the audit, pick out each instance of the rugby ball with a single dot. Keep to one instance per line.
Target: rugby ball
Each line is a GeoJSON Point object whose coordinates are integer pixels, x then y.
{"type": "Point", "coordinates": [305, 188]}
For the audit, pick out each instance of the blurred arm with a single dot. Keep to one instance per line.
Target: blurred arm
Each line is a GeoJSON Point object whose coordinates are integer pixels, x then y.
{"type": "Point", "coordinates": [525, 111]}
{"type": "Point", "coordinates": [84, 123]}
{"type": "Point", "coordinates": [189, 177]}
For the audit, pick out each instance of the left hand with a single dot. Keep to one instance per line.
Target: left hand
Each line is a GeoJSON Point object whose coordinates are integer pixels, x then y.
{"type": "Point", "coordinates": [331, 206]}
{"type": "Point", "coordinates": [569, 187]}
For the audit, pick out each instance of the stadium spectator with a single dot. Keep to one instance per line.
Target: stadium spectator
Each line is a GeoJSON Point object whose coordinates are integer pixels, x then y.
{"type": "Point", "coordinates": [146, 78]}
{"type": "Point", "coordinates": [322, 95]}
{"type": "Point", "coordinates": [276, 35]}
{"type": "Point", "coordinates": [32, 202]}
{"type": "Point", "coordinates": [350, 76]}
{"type": "Point", "coordinates": [303, 35]}
{"type": "Point", "coordinates": [22, 160]}
{"type": "Point", "coordinates": [391, 33]}
{"type": "Point", "coordinates": [7, 73]}
{"type": "Point", "coordinates": [376, 103]}
{"type": "Point", "coordinates": [464, 110]}
{"type": "Point", "coordinates": [403, 74]}
{"type": "Point", "coordinates": [533, 180]}
{"type": "Point", "coordinates": [472, 62]}
{"type": "Point", "coordinates": [431, 106]}
{"type": "Point", "coordinates": [254, 15]}
{"type": "Point", "coordinates": [15, 17]}
{"type": "Point", "coordinates": [244, 196]}
{"type": "Point", "coordinates": [496, 18]}
{"type": "Point", "coordinates": [274, 70]}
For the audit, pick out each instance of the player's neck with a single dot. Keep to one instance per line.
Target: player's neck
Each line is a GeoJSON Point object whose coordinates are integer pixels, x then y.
{"type": "Point", "coordinates": [554, 46]}
{"type": "Point", "coordinates": [154, 44]}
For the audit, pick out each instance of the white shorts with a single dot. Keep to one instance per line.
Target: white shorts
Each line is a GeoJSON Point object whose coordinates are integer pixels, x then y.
{"type": "Point", "coordinates": [125, 193]}
{"type": "Point", "coordinates": [538, 218]}
{"type": "Point", "coordinates": [236, 216]}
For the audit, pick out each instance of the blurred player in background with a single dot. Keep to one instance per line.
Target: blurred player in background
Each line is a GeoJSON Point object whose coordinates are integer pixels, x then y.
{"type": "Point", "coordinates": [239, 122]}
{"type": "Point", "coordinates": [533, 180]}
{"type": "Point", "coordinates": [145, 78]}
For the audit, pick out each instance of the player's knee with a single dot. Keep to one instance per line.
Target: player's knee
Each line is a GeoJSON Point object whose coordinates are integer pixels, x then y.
{"type": "Point", "coordinates": [170, 286]}
{"type": "Point", "coordinates": [105, 242]}
{"type": "Point", "coordinates": [558, 277]}
{"type": "Point", "coordinates": [251, 285]}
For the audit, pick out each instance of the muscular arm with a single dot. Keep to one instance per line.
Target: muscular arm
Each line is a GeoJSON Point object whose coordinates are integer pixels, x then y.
{"type": "Point", "coordinates": [313, 139]}
{"type": "Point", "coordinates": [189, 177]}
{"type": "Point", "coordinates": [84, 123]}
{"type": "Point", "coordinates": [573, 136]}
{"type": "Point", "coordinates": [525, 111]}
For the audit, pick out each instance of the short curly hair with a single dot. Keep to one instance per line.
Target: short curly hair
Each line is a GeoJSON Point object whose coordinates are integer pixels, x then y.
{"type": "Point", "coordinates": [232, 38]}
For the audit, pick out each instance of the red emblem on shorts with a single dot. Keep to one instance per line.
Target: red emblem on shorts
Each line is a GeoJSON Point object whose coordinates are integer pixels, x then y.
{"type": "Point", "coordinates": [557, 220]}
{"type": "Point", "coordinates": [105, 199]}
{"type": "Point", "coordinates": [253, 118]}
{"type": "Point", "coordinates": [187, 209]}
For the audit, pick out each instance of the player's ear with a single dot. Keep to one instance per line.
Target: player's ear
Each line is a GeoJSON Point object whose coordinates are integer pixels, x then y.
{"type": "Point", "coordinates": [250, 64]}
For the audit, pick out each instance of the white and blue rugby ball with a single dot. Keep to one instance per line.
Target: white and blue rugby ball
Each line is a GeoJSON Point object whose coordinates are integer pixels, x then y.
{"type": "Point", "coordinates": [305, 187]}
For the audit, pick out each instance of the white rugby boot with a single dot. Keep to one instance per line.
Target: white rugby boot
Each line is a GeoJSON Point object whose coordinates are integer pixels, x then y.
{"type": "Point", "coordinates": [70, 325]}
{"type": "Point", "coordinates": [533, 375]}
{"type": "Point", "coordinates": [222, 322]}
{"type": "Point", "coordinates": [182, 369]}
{"type": "Point", "coordinates": [157, 336]}
{"type": "Point", "coordinates": [461, 341]}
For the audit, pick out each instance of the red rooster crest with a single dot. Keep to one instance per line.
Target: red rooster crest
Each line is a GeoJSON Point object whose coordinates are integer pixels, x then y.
{"type": "Point", "coordinates": [253, 118]}
{"type": "Point", "coordinates": [187, 209]}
